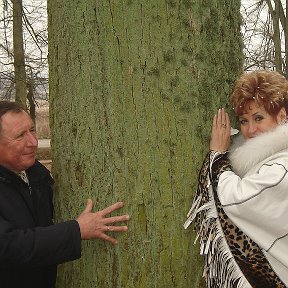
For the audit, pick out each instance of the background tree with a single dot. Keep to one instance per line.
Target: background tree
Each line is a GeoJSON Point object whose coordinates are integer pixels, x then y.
{"type": "Point", "coordinates": [133, 86]}
{"type": "Point", "coordinates": [23, 51]}
{"type": "Point", "coordinates": [266, 35]}
{"type": "Point", "coordinates": [18, 49]}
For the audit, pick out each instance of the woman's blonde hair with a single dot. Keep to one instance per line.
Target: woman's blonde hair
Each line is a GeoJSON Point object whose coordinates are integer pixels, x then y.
{"type": "Point", "coordinates": [268, 88]}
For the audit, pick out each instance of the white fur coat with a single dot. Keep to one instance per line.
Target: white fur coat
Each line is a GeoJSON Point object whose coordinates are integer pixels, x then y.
{"type": "Point", "coordinates": [255, 194]}
{"type": "Point", "coordinates": [246, 154]}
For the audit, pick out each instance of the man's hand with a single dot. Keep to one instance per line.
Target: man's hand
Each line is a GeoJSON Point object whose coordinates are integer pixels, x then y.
{"type": "Point", "coordinates": [95, 225]}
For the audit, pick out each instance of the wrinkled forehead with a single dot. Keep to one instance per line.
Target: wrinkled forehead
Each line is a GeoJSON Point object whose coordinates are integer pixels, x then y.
{"type": "Point", "coordinates": [12, 120]}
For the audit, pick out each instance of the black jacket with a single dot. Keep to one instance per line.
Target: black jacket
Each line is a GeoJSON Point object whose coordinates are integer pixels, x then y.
{"type": "Point", "coordinates": [30, 245]}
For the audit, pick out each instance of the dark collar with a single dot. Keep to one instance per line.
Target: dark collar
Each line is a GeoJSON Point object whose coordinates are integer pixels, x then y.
{"type": "Point", "coordinates": [35, 173]}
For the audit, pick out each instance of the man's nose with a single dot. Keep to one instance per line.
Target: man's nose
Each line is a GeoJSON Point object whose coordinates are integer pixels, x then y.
{"type": "Point", "coordinates": [32, 139]}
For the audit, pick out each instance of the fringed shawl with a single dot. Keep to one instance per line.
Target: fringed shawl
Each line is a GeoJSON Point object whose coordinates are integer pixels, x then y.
{"type": "Point", "coordinates": [227, 264]}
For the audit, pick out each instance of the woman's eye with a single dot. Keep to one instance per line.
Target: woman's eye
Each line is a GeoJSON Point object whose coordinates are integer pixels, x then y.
{"type": "Point", "coordinates": [258, 118]}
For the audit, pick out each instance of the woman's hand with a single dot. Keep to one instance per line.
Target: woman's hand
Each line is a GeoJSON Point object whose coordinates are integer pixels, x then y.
{"type": "Point", "coordinates": [220, 136]}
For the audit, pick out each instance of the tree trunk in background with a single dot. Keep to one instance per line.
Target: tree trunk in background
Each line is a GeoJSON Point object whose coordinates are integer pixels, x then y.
{"type": "Point", "coordinates": [133, 87]}
{"type": "Point", "coordinates": [276, 35]}
{"type": "Point", "coordinates": [19, 59]}
{"type": "Point", "coordinates": [285, 25]}
{"type": "Point", "coordinates": [31, 100]}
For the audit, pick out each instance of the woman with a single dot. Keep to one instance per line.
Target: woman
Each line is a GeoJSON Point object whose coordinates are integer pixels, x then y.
{"type": "Point", "coordinates": [241, 205]}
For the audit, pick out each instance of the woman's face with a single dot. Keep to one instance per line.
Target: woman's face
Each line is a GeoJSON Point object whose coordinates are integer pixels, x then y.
{"type": "Point", "coordinates": [255, 120]}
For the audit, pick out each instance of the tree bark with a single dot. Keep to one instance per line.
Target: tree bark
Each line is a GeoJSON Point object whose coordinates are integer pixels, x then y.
{"type": "Point", "coordinates": [133, 87]}
{"type": "Point", "coordinates": [19, 58]}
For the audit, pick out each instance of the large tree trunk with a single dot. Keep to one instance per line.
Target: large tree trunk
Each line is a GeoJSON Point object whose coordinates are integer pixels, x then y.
{"type": "Point", "coordinates": [133, 87]}
{"type": "Point", "coordinates": [19, 58]}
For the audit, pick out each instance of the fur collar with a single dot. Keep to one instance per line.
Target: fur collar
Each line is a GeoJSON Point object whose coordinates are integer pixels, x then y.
{"type": "Point", "coordinates": [245, 154]}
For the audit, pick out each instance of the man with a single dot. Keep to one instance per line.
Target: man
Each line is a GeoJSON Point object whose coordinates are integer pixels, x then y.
{"type": "Point", "coordinates": [30, 244]}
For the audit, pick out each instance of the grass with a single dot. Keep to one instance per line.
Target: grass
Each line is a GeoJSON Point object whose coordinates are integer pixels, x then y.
{"type": "Point", "coordinates": [42, 123]}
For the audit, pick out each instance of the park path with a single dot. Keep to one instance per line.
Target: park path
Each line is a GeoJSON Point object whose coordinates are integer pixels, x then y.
{"type": "Point", "coordinates": [43, 143]}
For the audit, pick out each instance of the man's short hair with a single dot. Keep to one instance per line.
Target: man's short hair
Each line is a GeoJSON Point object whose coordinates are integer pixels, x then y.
{"type": "Point", "coordinates": [8, 106]}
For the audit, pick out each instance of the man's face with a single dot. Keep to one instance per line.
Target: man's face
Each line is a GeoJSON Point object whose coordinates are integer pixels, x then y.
{"type": "Point", "coordinates": [18, 141]}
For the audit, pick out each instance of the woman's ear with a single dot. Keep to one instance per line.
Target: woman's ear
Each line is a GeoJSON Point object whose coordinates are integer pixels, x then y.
{"type": "Point", "coordinates": [281, 116]}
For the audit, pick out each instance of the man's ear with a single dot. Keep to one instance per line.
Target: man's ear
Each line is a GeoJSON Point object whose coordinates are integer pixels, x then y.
{"type": "Point", "coordinates": [281, 116]}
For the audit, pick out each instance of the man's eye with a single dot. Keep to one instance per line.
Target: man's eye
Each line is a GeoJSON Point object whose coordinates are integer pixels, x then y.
{"type": "Point", "coordinates": [20, 136]}
{"type": "Point", "coordinates": [243, 122]}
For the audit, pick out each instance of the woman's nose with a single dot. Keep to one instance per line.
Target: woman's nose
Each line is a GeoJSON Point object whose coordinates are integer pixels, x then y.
{"type": "Point", "coordinates": [252, 129]}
